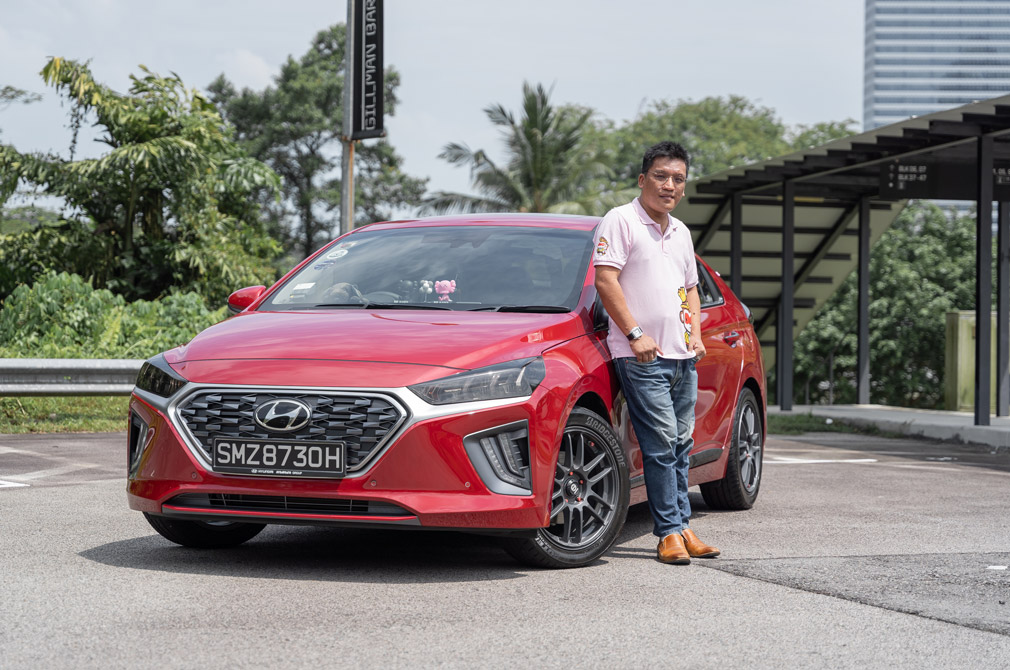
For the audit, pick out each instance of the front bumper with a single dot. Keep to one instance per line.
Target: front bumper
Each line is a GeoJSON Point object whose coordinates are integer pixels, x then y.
{"type": "Point", "coordinates": [423, 475]}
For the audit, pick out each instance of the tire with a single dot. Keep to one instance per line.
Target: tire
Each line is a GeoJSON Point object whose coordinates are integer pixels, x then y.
{"type": "Point", "coordinates": [739, 488]}
{"type": "Point", "coordinates": [589, 500]}
{"type": "Point", "coordinates": [204, 534]}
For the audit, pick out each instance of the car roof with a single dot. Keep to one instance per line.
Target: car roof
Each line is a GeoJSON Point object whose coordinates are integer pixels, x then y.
{"type": "Point", "coordinates": [540, 220]}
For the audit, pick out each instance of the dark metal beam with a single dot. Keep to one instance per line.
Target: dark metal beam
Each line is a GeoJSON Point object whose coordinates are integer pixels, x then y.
{"type": "Point", "coordinates": [983, 279]}
{"type": "Point", "coordinates": [1003, 311]}
{"type": "Point", "coordinates": [954, 129]}
{"type": "Point", "coordinates": [775, 279]}
{"type": "Point", "coordinates": [773, 303]}
{"type": "Point", "coordinates": [720, 253]}
{"type": "Point", "coordinates": [846, 180]}
{"type": "Point", "coordinates": [772, 201]}
{"type": "Point", "coordinates": [712, 227]}
{"type": "Point", "coordinates": [863, 307]}
{"type": "Point", "coordinates": [821, 252]}
{"type": "Point", "coordinates": [736, 243]}
{"type": "Point", "coordinates": [813, 258]}
{"type": "Point", "coordinates": [784, 329]}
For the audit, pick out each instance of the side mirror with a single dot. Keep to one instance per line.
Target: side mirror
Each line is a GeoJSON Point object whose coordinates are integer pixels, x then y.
{"type": "Point", "coordinates": [244, 297]}
{"type": "Point", "coordinates": [601, 321]}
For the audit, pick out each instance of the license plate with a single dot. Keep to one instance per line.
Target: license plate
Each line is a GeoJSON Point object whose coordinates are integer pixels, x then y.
{"type": "Point", "coordinates": [277, 458]}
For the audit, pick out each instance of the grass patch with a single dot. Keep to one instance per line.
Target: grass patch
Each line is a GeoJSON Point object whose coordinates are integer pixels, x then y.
{"type": "Point", "coordinates": [76, 414]}
{"type": "Point", "coordinates": [797, 424]}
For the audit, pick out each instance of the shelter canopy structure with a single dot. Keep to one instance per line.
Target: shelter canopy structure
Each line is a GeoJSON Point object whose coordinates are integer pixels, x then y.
{"type": "Point", "coordinates": [786, 231]}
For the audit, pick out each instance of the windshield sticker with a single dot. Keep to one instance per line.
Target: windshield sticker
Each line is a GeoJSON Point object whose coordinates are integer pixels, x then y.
{"type": "Point", "coordinates": [304, 287]}
{"type": "Point", "coordinates": [324, 264]}
{"type": "Point", "coordinates": [333, 255]}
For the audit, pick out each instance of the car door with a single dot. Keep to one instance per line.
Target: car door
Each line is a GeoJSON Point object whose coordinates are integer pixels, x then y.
{"type": "Point", "coordinates": [719, 371]}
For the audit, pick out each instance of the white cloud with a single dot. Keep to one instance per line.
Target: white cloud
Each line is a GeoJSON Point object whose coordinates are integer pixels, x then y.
{"type": "Point", "coordinates": [246, 69]}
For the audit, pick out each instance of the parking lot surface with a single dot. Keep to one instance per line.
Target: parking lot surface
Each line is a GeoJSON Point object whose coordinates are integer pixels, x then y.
{"type": "Point", "coordinates": [861, 552]}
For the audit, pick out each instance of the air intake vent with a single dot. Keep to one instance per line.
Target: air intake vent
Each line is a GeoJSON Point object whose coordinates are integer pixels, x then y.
{"type": "Point", "coordinates": [217, 502]}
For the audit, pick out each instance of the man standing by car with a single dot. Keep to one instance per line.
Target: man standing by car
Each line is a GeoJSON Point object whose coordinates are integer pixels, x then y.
{"type": "Point", "coordinates": [647, 278]}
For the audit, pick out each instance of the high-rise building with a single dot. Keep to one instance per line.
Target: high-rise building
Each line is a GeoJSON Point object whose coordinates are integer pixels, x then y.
{"type": "Point", "coordinates": [924, 56]}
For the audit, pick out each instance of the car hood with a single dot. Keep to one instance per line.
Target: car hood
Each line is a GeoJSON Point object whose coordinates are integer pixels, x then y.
{"type": "Point", "coordinates": [446, 339]}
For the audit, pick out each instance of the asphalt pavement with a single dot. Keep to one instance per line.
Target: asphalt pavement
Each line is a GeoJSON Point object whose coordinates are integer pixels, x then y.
{"type": "Point", "coordinates": [861, 552]}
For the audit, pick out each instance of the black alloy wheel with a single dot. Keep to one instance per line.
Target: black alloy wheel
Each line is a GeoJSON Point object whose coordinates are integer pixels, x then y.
{"type": "Point", "coordinates": [739, 488]}
{"type": "Point", "coordinates": [589, 500]}
{"type": "Point", "coordinates": [204, 534]}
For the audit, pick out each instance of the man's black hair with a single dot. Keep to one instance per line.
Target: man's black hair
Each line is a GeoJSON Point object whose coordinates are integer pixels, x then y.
{"type": "Point", "coordinates": [664, 150]}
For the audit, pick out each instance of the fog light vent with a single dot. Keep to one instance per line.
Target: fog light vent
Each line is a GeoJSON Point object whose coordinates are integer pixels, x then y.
{"type": "Point", "coordinates": [501, 457]}
{"type": "Point", "coordinates": [138, 436]}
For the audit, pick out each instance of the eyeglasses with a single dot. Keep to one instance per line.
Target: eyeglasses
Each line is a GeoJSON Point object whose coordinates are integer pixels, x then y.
{"type": "Point", "coordinates": [661, 178]}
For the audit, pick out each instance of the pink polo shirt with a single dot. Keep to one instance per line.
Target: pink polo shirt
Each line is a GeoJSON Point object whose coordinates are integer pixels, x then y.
{"type": "Point", "coordinates": [656, 271]}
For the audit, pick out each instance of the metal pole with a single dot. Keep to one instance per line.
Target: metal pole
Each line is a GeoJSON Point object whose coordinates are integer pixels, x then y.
{"type": "Point", "coordinates": [784, 331]}
{"type": "Point", "coordinates": [863, 318]}
{"type": "Point", "coordinates": [1003, 311]}
{"type": "Point", "coordinates": [983, 280]}
{"type": "Point", "coordinates": [347, 161]}
{"type": "Point", "coordinates": [736, 244]}
{"type": "Point", "coordinates": [347, 188]}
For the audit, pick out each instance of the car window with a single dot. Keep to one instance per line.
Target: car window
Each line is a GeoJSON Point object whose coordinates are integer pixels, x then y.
{"type": "Point", "coordinates": [707, 290]}
{"type": "Point", "coordinates": [459, 267]}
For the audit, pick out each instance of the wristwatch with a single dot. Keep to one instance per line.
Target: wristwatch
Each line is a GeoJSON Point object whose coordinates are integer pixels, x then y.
{"type": "Point", "coordinates": [635, 333]}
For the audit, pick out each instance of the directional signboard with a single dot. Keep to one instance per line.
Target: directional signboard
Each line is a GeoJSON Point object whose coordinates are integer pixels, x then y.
{"type": "Point", "coordinates": [366, 70]}
{"type": "Point", "coordinates": [927, 177]}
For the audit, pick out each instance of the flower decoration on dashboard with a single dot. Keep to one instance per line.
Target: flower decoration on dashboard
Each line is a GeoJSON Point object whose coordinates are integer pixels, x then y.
{"type": "Point", "coordinates": [443, 288]}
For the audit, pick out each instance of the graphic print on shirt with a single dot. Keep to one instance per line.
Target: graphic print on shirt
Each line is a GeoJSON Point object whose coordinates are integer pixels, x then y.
{"type": "Point", "coordinates": [685, 315]}
{"type": "Point", "coordinates": [602, 246]}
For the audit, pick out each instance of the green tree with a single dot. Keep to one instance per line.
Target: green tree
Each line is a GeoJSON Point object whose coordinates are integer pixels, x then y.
{"type": "Point", "coordinates": [11, 94]}
{"type": "Point", "coordinates": [169, 200]}
{"type": "Point", "coordinates": [548, 166]}
{"type": "Point", "coordinates": [804, 137]}
{"type": "Point", "coordinates": [295, 127]}
{"type": "Point", "coordinates": [917, 274]}
{"type": "Point", "coordinates": [717, 132]}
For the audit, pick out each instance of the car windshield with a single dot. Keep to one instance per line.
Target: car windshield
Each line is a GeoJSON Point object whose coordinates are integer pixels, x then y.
{"type": "Point", "coordinates": [501, 268]}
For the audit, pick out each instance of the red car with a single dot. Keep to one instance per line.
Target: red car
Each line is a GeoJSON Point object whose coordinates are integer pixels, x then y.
{"type": "Point", "coordinates": [446, 373]}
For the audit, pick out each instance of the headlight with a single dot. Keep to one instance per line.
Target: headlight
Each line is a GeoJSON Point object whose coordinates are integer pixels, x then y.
{"type": "Point", "coordinates": [158, 378]}
{"type": "Point", "coordinates": [515, 379]}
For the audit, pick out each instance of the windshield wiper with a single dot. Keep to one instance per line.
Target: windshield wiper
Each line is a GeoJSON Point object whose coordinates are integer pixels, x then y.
{"type": "Point", "coordinates": [539, 309]}
{"type": "Point", "coordinates": [384, 305]}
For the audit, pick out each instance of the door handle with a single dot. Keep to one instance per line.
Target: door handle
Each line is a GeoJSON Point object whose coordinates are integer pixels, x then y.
{"type": "Point", "coordinates": [731, 338]}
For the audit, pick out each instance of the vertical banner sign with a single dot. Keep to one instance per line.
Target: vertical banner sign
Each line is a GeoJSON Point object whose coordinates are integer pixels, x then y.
{"type": "Point", "coordinates": [366, 66]}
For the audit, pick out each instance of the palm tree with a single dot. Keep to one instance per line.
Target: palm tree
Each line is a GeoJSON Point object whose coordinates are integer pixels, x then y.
{"type": "Point", "coordinates": [549, 167]}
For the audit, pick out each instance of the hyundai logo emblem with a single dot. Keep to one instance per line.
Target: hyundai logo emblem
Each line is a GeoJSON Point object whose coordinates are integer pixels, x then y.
{"type": "Point", "coordinates": [282, 415]}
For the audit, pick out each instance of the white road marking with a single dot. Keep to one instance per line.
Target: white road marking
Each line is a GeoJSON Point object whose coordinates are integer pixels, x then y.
{"type": "Point", "coordinates": [787, 460]}
{"type": "Point", "coordinates": [12, 450]}
{"type": "Point", "coordinates": [50, 472]}
{"type": "Point", "coordinates": [997, 567]}
{"type": "Point", "coordinates": [10, 485]}
{"type": "Point", "coordinates": [36, 454]}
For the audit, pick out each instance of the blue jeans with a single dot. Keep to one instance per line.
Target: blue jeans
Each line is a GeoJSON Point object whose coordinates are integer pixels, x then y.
{"type": "Point", "coordinates": [661, 397]}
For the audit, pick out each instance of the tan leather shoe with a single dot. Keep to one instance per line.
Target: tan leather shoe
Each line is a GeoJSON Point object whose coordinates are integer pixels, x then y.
{"type": "Point", "coordinates": [695, 547]}
{"type": "Point", "coordinates": [671, 550]}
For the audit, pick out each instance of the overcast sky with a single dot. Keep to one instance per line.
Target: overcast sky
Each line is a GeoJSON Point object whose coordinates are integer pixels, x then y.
{"type": "Point", "coordinates": [803, 58]}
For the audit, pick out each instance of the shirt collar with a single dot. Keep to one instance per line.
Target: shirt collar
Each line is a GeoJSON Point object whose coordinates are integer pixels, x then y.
{"type": "Point", "coordinates": [647, 220]}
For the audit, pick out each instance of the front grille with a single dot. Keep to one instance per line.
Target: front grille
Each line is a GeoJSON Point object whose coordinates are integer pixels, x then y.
{"type": "Point", "coordinates": [217, 502]}
{"type": "Point", "coordinates": [362, 422]}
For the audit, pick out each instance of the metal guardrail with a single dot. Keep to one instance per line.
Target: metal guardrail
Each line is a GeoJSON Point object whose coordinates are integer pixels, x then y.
{"type": "Point", "coordinates": [67, 376]}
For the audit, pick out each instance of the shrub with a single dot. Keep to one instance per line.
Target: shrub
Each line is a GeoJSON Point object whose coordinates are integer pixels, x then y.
{"type": "Point", "coordinates": [62, 316]}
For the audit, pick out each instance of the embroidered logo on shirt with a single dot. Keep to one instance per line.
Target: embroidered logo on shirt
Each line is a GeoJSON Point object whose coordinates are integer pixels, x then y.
{"type": "Point", "coordinates": [602, 246]}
